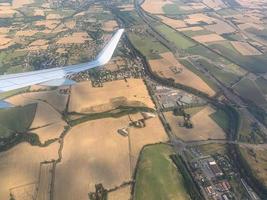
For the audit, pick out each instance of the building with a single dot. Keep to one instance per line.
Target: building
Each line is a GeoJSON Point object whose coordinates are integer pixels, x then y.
{"type": "Point", "coordinates": [215, 168]}
{"type": "Point", "coordinates": [223, 186]}
{"type": "Point", "coordinates": [123, 132]}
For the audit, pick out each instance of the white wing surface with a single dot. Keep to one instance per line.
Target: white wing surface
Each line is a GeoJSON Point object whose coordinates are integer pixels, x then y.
{"type": "Point", "coordinates": [57, 75]}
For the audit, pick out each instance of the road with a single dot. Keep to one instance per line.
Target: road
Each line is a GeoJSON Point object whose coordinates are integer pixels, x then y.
{"type": "Point", "coordinates": [234, 99]}
{"type": "Point", "coordinates": [228, 93]}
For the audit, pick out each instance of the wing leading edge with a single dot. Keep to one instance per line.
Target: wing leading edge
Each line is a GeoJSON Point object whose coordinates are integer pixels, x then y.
{"type": "Point", "coordinates": [20, 80]}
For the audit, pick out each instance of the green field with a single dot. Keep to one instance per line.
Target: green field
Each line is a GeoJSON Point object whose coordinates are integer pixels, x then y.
{"type": "Point", "coordinates": [257, 162]}
{"type": "Point", "coordinates": [221, 118]}
{"type": "Point", "coordinates": [247, 89]}
{"type": "Point", "coordinates": [225, 44]}
{"type": "Point", "coordinates": [262, 83]}
{"type": "Point", "coordinates": [227, 11]}
{"type": "Point", "coordinates": [224, 76]}
{"type": "Point", "coordinates": [172, 9]}
{"type": "Point", "coordinates": [129, 18]}
{"type": "Point", "coordinates": [255, 64]}
{"type": "Point", "coordinates": [190, 33]}
{"type": "Point", "coordinates": [12, 93]}
{"type": "Point", "coordinates": [180, 41]}
{"type": "Point", "coordinates": [157, 177]}
{"type": "Point", "coordinates": [259, 33]}
{"type": "Point", "coordinates": [205, 52]}
{"type": "Point", "coordinates": [16, 120]}
{"type": "Point", "coordinates": [147, 46]}
{"type": "Point", "coordinates": [232, 36]}
{"type": "Point", "coordinates": [211, 149]}
{"type": "Point", "coordinates": [250, 132]}
{"type": "Point", "coordinates": [245, 128]}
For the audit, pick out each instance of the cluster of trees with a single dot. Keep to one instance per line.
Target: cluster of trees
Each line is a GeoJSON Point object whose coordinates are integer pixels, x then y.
{"type": "Point", "coordinates": [170, 81]}
{"type": "Point", "coordinates": [244, 168]}
{"type": "Point", "coordinates": [115, 113]}
{"type": "Point", "coordinates": [16, 138]}
{"type": "Point", "coordinates": [233, 120]}
{"type": "Point", "coordinates": [187, 117]}
{"type": "Point", "coordinates": [190, 184]}
{"type": "Point", "coordinates": [257, 111]}
{"type": "Point", "coordinates": [255, 136]}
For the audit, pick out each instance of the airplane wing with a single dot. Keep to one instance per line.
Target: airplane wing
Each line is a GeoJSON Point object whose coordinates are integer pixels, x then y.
{"type": "Point", "coordinates": [56, 76]}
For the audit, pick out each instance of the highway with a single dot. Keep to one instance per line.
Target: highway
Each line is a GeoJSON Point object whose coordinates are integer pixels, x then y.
{"type": "Point", "coordinates": [228, 93]}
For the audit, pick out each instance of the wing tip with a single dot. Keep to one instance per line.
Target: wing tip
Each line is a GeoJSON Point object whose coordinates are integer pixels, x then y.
{"type": "Point", "coordinates": [105, 55]}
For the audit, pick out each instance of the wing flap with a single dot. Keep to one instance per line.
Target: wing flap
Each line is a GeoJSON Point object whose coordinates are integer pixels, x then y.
{"type": "Point", "coordinates": [58, 82]}
{"type": "Point", "coordinates": [4, 104]}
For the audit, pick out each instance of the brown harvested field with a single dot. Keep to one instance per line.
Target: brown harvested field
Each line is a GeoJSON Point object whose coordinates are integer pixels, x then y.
{"type": "Point", "coordinates": [102, 155]}
{"type": "Point", "coordinates": [19, 166]}
{"type": "Point", "coordinates": [39, 12]}
{"type": "Point", "coordinates": [208, 38]}
{"type": "Point", "coordinates": [50, 132]}
{"type": "Point", "coordinates": [4, 39]}
{"type": "Point", "coordinates": [220, 27]}
{"type": "Point", "coordinates": [62, 28]}
{"type": "Point", "coordinates": [4, 30]}
{"type": "Point", "coordinates": [85, 98]}
{"type": "Point", "coordinates": [38, 87]}
{"type": "Point", "coordinates": [245, 26]}
{"type": "Point", "coordinates": [23, 192]}
{"type": "Point", "coordinates": [93, 153]}
{"type": "Point", "coordinates": [50, 24]}
{"type": "Point", "coordinates": [174, 23]}
{"type": "Point", "coordinates": [21, 3]}
{"type": "Point", "coordinates": [164, 68]}
{"type": "Point", "coordinates": [198, 18]}
{"type": "Point", "coordinates": [152, 133]}
{"type": "Point", "coordinates": [37, 48]}
{"type": "Point", "coordinates": [70, 24]}
{"type": "Point", "coordinates": [126, 7]}
{"type": "Point", "coordinates": [204, 127]}
{"type": "Point", "coordinates": [5, 42]}
{"type": "Point", "coordinates": [245, 48]}
{"type": "Point", "coordinates": [248, 17]}
{"type": "Point", "coordinates": [7, 12]}
{"type": "Point", "coordinates": [61, 50]}
{"type": "Point", "coordinates": [120, 194]}
{"type": "Point", "coordinates": [155, 6]}
{"type": "Point", "coordinates": [54, 98]}
{"type": "Point", "coordinates": [193, 6]}
{"type": "Point", "coordinates": [193, 28]}
{"type": "Point", "coordinates": [45, 114]}
{"type": "Point", "coordinates": [53, 16]}
{"type": "Point", "coordinates": [75, 38]}
{"type": "Point", "coordinates": [38, 42]}
{"type": "Point", "coordinates": [44, 182]}
{"type": "Point", "coordinates": [5, 46]}
{"type": "Point", "coordinates": [26, 33]}
{"type": "Point", "coordinates": [110, 25]}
